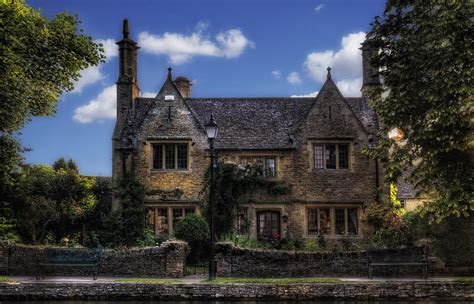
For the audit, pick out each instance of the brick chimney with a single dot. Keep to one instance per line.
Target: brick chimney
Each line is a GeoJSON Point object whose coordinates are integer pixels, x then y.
{"type": "Point", "coordinates": [184, 86]}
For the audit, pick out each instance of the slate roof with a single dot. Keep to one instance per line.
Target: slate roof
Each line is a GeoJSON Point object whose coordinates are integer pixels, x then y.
{"type": "Point", "coordinates": [405, 189]}
{"type": "Point", "coordinates": [364, 113]}
{"type": "Point", "coordinates": [252, 123]}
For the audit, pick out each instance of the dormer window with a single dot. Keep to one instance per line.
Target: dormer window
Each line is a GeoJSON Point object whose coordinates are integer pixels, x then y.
{"type": "Point", "coordinates": [170, 156]}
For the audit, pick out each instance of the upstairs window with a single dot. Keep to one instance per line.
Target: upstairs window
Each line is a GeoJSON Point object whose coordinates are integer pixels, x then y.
{"type": "Point", "coordinates": [331, 156]}
{"type": "Point", "coordinates": [170, 156]}
{"type": "Point", "coordinates": [267, 165]}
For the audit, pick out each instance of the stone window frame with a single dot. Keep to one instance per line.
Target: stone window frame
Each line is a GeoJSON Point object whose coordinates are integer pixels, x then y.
{"type": "Point", "coordinates": [169, 215]}
{"type": "Point", "coordinates": [317, 142]}
{"type": "Point", "coordinates": [152, 143]}
{"type": "Point", "coordinates": [332, 208]}
{"type": "Point", "coordinates": [265, 156]}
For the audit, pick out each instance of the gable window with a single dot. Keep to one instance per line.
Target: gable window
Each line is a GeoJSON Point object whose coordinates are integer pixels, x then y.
{"type": "Point", "coordinates": [332, 221]}
{"type": "Point", "coordinates": [170, 156]}
{"type": "Point", "coordinates": [266, 164]}
{"type": "Point", "coordinates": [331, 156]}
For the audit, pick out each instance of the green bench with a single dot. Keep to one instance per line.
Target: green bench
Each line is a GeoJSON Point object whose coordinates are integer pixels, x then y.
{"type": "Point", "coordinates": [411, 257]}
{"type": "Point", "coordinates": [68, 257]}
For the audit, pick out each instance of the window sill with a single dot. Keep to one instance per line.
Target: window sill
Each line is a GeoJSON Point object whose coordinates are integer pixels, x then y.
{"type": "Point", "coordinates": [154, 171]}
{"type": "Point", "coordinates": [332, 170]}
{"type": "Point", "coordinates": [333, 236]}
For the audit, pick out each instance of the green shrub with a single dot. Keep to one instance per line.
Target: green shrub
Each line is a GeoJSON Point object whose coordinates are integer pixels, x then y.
{"type": "Point", "coordinates": [148, 239]}
{"type": "Point", "coordinates": [311, 245]}
{"type": "Point", "coordinates": [390, 228]}
{"type": "Point", "coordinates": [321, 241]}
{"type": "Point", "coordinates": [247, 241]}
{"type": "Point", "coordinates": [194, 230]}
{"type": "Point", "coordinates": [288, 244]}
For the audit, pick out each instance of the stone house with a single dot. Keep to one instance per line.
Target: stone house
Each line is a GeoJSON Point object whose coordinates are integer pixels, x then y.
{"type": "Point", "coordinates": [312, 144]}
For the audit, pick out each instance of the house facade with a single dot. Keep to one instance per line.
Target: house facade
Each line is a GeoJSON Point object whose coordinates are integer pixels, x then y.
{"type": "Point", "coordinates": [312, 144]}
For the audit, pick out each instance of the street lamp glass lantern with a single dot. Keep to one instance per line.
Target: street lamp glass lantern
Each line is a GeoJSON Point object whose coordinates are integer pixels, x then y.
{"type": "Point", "coordinates": [396, 134]}
{"type": "Point", "coordinates": [211, 128]}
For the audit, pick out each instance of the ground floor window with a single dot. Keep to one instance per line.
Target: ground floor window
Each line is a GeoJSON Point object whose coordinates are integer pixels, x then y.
{"type": "Point", "coordinates": [332, 220]}
{"type": "Point", "coordinates": [268, 225]}
{"type": "Point", "coordinates": [243, 223]}
{"type": "Point", "coordinates": [158, 218]}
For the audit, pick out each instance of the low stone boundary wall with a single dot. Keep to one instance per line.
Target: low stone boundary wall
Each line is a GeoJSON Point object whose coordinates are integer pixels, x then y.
{"type": "Point", "coordinates": [401, 290]}
{"type": "Point", "coordinates": [234, 261]}
{"type": "Point", "coordinates": [239, 262]}
{"type": "Point", "coordinates": [167, 260]}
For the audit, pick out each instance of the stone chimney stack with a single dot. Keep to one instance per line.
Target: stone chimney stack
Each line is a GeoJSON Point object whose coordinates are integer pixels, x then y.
{"type": "Point", "coordinates": [184, 86]}
{"type": "Point", "coordinates": [127, 91]}
{"type": "Point", "coordinates": [370, 77]}
{"type": "Point", "coordinates": [127, 82]}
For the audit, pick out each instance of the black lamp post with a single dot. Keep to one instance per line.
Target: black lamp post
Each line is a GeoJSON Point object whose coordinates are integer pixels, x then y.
{"type": "Point", "coordinates": [211, 130]}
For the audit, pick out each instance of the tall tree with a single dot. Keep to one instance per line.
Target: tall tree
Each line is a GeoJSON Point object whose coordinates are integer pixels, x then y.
{"type": "Point", "coordinates": [425, 59]}
{"type": "Point", "coordinates": [39, 60]}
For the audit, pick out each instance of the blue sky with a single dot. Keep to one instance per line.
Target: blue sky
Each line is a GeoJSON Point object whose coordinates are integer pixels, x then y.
{"type": "Point", "coordinates": [226, 47]}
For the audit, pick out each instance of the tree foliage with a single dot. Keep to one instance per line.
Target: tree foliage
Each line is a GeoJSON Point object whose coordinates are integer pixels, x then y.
{"type": "Point", "coordinates": [39, 60]}
{"type": "Point", "coordinates": [125, 226]}
{"type": "Point", "coordinates": [425, 60]}
{"type": "Point", "coordinates": [44, 200]}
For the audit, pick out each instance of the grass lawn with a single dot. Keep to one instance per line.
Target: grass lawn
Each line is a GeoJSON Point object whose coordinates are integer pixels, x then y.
{"type": "Point", "coordinates": [147, 281]}
{"type": "Point", "coordinates": [469, 280]}
{"type": "Point", "coordinates": [278, 281]}
{"type": "Point", "coordinates": [6, 279]}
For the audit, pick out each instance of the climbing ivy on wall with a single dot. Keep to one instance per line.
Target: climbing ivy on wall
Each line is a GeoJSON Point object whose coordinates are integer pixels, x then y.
{"type": "Point", "coordinates": [234, 185]}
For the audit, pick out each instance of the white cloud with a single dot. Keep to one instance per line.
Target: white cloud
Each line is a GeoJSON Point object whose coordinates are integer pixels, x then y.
{"type": "Point", "coordinates": [110, 48]}
{"type": "Point", "coordinates": [294, 78]}
{"type": "Point", "coordinates": [318, 8]}
{"type": "Point", "coordinates": [88, 76]}
{"type": "Point", "coordinates": [182, 48]}
{"type": "Point", "coordinates": [346, 63]}
{"type": "Point", "coordinates": [148, 94]}
{"type": "Point", "coordinates": [98, 109]}
{"type": "Point", "coordinates": [94, 74]}
{"type": "Point", "coordinates": [276, 74]}
{"type": "Point", "coordinates": [350, 87]}
{"type": "Point", "coordinates": [314, 94]}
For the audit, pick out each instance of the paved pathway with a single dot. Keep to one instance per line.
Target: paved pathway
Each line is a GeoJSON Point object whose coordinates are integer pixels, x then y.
{"type": "Point", "coordinates": [191, 279]}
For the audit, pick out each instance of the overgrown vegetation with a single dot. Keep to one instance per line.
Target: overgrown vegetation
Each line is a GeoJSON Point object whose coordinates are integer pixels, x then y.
{"type": "Point", "coordinates": [390, 229]}
{"type": "Point", "coordinates": [452, 240]}
{"type": "Point", "coordinates": [57, 206]}
{"type": "Point", "coordinates": [234, 185]}
{"type": "Point", "coordinates": [195, 231]}
{"type": "Point", "coordinates": [425, 55]}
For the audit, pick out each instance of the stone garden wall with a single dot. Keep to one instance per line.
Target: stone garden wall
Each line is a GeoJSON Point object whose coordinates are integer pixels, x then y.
{"type": "Point", "coordinates": [239, 262]}
{"type": "Point", "coordinates": [378, 291]}
{"type": "Point", "coordinates": [234, 261]}
{"type": "Point", "coordinates": [167, 260]}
